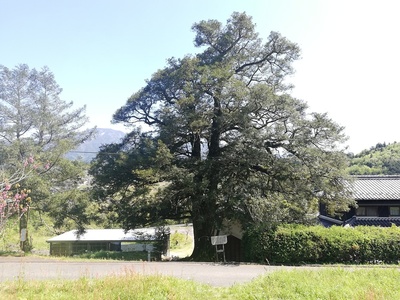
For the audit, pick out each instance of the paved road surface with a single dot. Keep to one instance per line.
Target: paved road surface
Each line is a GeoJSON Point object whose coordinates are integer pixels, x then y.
{"type": "Point", "coordinates": [13, 268]}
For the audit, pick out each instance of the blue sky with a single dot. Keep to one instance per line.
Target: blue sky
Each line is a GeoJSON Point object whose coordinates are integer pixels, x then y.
{"type": "Point", "coordinates": [101, 51]}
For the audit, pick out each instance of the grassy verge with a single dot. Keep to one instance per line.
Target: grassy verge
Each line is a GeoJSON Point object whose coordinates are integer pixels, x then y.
{"type": "Point", "coordinates": [112, 255]}
{"type": "Point", "coordinates": [333, 284]}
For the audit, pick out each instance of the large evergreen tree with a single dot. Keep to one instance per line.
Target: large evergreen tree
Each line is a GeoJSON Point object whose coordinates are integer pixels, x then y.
{"type": "Point", "coordinates": [226, 140]}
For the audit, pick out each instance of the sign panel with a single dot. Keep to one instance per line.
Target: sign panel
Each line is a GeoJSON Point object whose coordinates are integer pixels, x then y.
{"type": "Point", "coordinates": [23, 234]}
{"type": "Point", "coordinates": [219, 240]}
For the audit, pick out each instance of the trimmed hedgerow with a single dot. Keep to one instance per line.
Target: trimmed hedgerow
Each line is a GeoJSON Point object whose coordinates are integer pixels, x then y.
{"type": "Point", "coordinates": [299, 244]}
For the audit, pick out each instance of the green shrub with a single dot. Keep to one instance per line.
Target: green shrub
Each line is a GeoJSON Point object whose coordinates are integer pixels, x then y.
{"type": "Point", "coordinates": [299, 244]}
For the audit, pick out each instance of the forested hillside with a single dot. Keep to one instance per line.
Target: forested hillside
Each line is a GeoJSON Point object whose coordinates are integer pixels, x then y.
{"type": "Point", "coordinates": [382, 159]}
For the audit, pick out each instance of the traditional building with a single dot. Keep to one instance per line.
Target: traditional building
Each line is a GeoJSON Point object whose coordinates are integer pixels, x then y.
{"type": "Point", "coordinates": [378, 202]}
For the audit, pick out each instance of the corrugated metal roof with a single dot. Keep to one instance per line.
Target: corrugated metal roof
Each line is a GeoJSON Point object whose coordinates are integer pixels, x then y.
{"type": "Point", "coordinates": [375, 187]}
{"type": "Point", "coordinates": [109, 235]}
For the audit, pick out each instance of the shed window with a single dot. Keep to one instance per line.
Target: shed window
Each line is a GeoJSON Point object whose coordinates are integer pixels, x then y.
{"type": "Point", "coordinates": [395, 210]}
{"type": "Point", "coordinates": [367, 211]}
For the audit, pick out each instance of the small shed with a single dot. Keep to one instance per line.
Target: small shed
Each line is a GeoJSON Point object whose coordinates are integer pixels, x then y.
{"type": "Point", "coordinates": [233, 247]}
{"type": "Point", "coordinates": [93, 240]}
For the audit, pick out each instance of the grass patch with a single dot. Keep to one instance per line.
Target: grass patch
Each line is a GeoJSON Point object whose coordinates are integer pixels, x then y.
{"type": "Point", "coordinates": [131, 286]}
{"type": "Point", "coordinates": [12, 253]}
{"type": "Point", "coordinates": [180, 240]}
{"type": "Point", "coordinates": [38, 233]}
{"type": "Point", "coordinates": [113, 255]}
{"type": "Point", "coordinates": [335, 283]}
{"type": "Point", "coordinates": [181, 244]}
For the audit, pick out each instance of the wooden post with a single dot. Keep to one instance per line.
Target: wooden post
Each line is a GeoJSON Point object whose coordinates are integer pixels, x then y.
{"type": "Point", "coordinates": [23, 231]}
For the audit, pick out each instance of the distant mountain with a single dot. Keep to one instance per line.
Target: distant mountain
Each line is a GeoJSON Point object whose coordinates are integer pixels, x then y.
{"type": "Point", "coordinates": [88, 150]}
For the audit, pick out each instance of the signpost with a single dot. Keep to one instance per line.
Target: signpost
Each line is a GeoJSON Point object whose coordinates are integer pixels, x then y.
{"type": "Point", "coordinates": [219, 242]}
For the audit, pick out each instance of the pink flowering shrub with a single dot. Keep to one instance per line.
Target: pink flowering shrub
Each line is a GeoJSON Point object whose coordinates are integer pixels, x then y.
{"type": "Point", "coordinates": [13, 199]}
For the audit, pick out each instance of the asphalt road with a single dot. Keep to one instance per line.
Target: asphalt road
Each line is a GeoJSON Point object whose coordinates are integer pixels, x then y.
{"type": "Point", "coordinates": [28, 268]}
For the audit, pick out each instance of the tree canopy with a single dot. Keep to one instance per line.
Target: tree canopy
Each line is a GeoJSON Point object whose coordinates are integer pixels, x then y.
{"type": "Point", "coordinates": [226, 140]}
{"type": "Point", "coordinates": [36, 122]}
{"type": "Point", "coordinates": [33, 114]}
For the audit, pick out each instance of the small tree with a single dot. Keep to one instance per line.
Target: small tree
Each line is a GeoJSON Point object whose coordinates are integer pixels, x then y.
{"type": "Point", "coordinates": [34, 120]}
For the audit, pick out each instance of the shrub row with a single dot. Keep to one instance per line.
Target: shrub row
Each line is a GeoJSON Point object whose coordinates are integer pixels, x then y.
{"type": "Point", "coordinates": [298, 244]}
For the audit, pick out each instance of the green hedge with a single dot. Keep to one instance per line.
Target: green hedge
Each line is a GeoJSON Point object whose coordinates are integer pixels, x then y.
{"type": "Point", "coordinates": [298, 244]}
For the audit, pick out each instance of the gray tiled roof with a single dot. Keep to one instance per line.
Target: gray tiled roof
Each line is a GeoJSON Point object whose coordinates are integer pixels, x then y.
{"type": "Point", "coordinates": [373, 221]}
{"type": "Point", "coordinates": [374, 187]}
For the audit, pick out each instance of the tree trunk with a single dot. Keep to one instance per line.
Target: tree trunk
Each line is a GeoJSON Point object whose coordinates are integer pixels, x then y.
{"type": "Point", "coordinates": [202, 213]}
{"type": "Point", "coordinates": [203, 229]}
{"type": "Point", "coordinates": [205, 218]}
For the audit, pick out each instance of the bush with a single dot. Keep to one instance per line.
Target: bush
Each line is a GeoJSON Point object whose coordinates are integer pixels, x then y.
{"type": "Point", "coordinates": [180, 240]}
{"type": "Point", "coordinates": [298, 244]}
